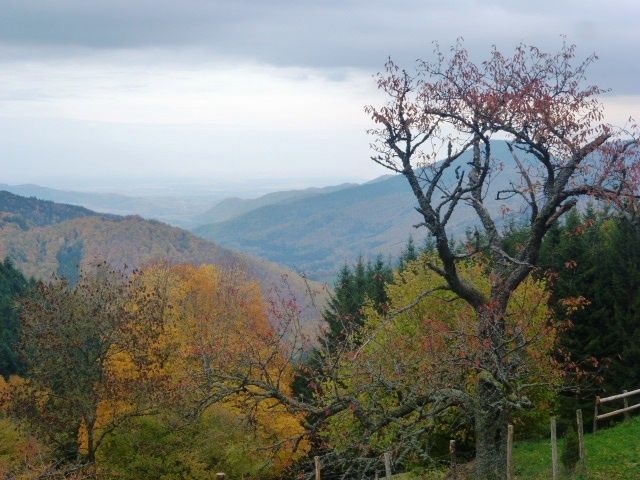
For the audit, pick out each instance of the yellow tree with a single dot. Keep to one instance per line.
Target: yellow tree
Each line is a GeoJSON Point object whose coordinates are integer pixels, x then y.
{"type": "Point", "coordinates": [405, 366]}
{"type": "Point", "coordinates": [219, 326]}
{"type": "Point", "coordinates": [74, 338]}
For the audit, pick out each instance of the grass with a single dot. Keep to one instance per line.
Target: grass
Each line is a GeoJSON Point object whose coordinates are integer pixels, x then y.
{"type": "Point", "coordinates": [612, 454]}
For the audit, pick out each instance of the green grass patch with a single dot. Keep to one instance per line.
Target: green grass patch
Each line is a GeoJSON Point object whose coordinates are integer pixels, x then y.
{"type": "Point", "coordinates": [612, 454]}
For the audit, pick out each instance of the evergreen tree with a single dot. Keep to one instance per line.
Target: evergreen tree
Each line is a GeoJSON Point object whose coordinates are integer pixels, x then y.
{"type": "Point", "coordinates": [379, 274]}
{"type": "Point", "coordinates": [597, 261]}
{"type": "Point", "coordinates": [409, 254]}
{"type": "Point", "coordinates": [593, 260]}
{"type": "Point", "coordinates": [353, 288]}
{"type": "Point", "coordinates": [12, 285]}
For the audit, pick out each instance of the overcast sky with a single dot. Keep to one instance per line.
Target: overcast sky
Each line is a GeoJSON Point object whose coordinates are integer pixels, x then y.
{"type": "Point", "coordinates": [242, 89]}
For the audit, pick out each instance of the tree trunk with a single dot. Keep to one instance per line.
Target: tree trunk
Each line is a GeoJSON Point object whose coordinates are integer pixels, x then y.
{"type": "Point", "coordinates": [491, 411]}
{"type": "Point", "coordinates": [491, 423]}
{"type": "Point", "coordinates": [91, 447]}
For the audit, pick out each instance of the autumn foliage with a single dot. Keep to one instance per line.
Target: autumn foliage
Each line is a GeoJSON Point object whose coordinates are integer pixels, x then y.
{"type": "Point", "coordinates": [113, 350]}
{"type": "Point", "coordinates": [439, 126]}
{"type": "Point", "coordinates": [406, 364]}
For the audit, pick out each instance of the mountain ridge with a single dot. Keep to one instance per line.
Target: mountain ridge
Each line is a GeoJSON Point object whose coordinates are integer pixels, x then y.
{"type": "Point", "coordinates": [174, 210]}
{"type": "Point", "coordinates": [318, 234]}
{"type": "Point", "coordinates": [235, 206]}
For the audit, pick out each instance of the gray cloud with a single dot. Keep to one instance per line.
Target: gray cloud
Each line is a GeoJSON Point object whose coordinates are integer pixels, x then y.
{"type": "Point", "coordinates": [324, 34]}
{"type": "Point", "coordinates": [205, 88]}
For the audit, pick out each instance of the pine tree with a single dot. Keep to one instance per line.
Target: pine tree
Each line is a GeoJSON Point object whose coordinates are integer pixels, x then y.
{"type": "Point", "coordinates": [379, 274]}
{"type": "Point", "coordinates": [409, 254]}
{"type": "Point", "coordinates": [593, 262]}
{"type": "Point", "coordinates": [342, 307]}
{"type": "Point", "coordinates": [353, 288]}
{"type": "Point", "coordinates": [595, 259]}
{"type": "Point", "coordinates": [12, 285]}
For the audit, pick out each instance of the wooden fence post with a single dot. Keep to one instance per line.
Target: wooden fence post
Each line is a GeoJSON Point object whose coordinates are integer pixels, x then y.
{"type": "Point", "coordinates": [583, 460]}
{"type": "Point", "coordinates": [452, 458]}
{"type": "Point", "coordinates": [317, 466]}
{"type": "Point", "coordinates": [376, 476]}
{"type": "Point", "coordinates": [220, 476]}
{"type": "Point", "coordinates": [387, 464]}
{"type": "Point", "coordinates": [595, 415]}
{"type": "Point", "coordinates": [509, 452]}
{"type": "Point", "coordinates": [554, 450]}
{"type": "Point", "coordinates": [626, 405]}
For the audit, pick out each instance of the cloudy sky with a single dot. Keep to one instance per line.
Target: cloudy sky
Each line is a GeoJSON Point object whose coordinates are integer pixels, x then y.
{"type": "Point", "coordinates": [212, 90]}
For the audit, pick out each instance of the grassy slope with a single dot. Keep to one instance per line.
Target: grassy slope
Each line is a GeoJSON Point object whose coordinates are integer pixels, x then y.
{"type": "Point", "coordinates": [612, 454]}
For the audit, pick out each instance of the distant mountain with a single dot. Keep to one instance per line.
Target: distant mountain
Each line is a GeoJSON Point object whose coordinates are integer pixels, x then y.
{"type": "Point", "coordinates": [234, 207]}
{"type": "Point", "coordinates": [380, 179]}
{"type": "Point", "coordinates": [177, 210]}
{"type": "Point", "coordinates": [44, 238]}
{"type": "Point", "coordinates": [317, 234]}
{"type": "Point", "coordinates": [31, 212]}
{"type": "Point", "coordinates": [182, 210]}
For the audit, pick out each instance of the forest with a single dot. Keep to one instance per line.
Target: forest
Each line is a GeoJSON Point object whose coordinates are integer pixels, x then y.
{"type": "Point", "coordinates": [174, 370]}
{"type": "Point", "coordinates": [134, 376]}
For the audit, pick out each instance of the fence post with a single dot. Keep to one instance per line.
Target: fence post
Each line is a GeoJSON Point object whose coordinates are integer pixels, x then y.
{"type": "Point", "coordinates": [316, 460]}
{"type": "Point", "coordinates": [554, 450]}
{"type": "Point", "coordinates": [220, 476]}
{"type": "Point", "coordinates": [509, 452]}
{"type": "Point", "coordinates": [387, 464]}
{"type": "Point", "coordinates": [595, 415]}
{"type": "Point", "coordinates": [452, 458]}
{"type": "Point", "coordinates": [583, 461]}
{"type": "Point", "coordinates": [376, 476]}
{"type": "Point", "coordinates": [626, 405]}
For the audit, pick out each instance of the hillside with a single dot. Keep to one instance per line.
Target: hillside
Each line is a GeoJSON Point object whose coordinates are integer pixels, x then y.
{"type": "Point", "coordinates": [313, 230]}
{"type": "Point", "coordinates": [176, 210]}
{"type": "Point", "coordinates": [31, 212]}
{"type": "Point", "coordinates": [318, 234]}
{"type": "Point", "coordinates": [181, 210]}
{"type": "Point", "coordinates": [234, 207]}
{"type": "Point", "coordinates": [67, 236]}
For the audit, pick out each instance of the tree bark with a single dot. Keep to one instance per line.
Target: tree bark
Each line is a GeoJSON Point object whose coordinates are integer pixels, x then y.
{"type": "Point", "coordinates": [491, 423]}
{"type": "Point", "coordinates": [91, 445]}
{"type": "Point", "coordinates": [491, 412]}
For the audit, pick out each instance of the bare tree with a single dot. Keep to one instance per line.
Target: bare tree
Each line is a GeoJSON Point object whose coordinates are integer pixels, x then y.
{"type": "Point", "coordinates": [555, 150]}
{"type": "Point", "coordinates": [559, 150]}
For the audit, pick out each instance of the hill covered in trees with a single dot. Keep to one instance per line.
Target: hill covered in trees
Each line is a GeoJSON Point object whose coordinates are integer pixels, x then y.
{"type": "Point", "coordinates": [176, 208]}
{"type": "Point", "coordinates": [32, 212]}
{"type": "Point", "coordinates": [43, 238]}
{"type": "Point", "coordinates": [313, 230]}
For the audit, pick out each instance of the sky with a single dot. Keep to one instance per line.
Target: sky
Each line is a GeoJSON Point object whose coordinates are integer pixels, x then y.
{"type": "Point", "coordinates": [112, 92]}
